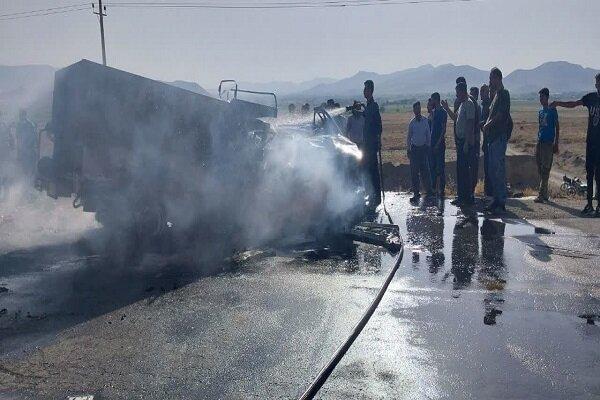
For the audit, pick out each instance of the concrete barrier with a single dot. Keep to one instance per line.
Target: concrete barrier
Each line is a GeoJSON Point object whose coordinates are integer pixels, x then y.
{"type": "Point", "coordinates": [521, 172]}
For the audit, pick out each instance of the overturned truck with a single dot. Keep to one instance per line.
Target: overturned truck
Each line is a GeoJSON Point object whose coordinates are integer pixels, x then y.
{"type": "Point", "coordinates": [156, 163]}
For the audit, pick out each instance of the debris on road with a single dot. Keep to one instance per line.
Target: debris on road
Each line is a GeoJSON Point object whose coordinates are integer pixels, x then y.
{"type": "Point", "coordinates": [384, 235]}
{"type": "Point", "coordinates": [543, 231]}
{"type": "Point", "coordinates": [3, 289]}
{"type": "Point", "coordinates": [490, 316]}
{"type": "Point", "coordinates": [251, 255]}
{"type": "Point", "coordinates": [590, 318]}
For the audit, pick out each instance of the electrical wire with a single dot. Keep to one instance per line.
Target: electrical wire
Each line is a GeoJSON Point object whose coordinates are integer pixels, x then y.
{"type": "Point", "coordinates": [220, 5]}
{"type": "Point", "coordinates": [39, 14]}
{"type": "Point", "coordinates": [280, 5]}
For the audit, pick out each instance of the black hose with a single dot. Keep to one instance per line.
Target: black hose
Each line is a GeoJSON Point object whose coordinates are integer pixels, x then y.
{"type": "Point", "coordinates": [320, 380]}
{"type": "Point", "coordinates": [383, 187]}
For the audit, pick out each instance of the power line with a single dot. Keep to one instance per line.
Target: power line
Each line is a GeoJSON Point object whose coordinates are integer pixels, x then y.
{"type": "Point", "coordinates": [282, 5]}
{"type": "Point", "coordinates": [38, 14]}
{"type": "Point", "coordinates": [220, 5]}
{"type": "Point", "coordinates": [44, 10]}
{"type": "Point", "coordinates": [239, 3]}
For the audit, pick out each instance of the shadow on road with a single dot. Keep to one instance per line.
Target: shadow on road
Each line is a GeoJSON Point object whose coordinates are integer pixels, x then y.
{"type": "Point", "coordinates": [51, 288]}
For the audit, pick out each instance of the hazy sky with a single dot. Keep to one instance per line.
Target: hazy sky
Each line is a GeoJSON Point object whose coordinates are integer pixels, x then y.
{"type": "Point", "coordinates": [298, 44]}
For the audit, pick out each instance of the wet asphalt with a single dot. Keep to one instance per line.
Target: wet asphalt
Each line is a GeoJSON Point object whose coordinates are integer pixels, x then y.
{"type": "Point", "coordinates": [480, 309]}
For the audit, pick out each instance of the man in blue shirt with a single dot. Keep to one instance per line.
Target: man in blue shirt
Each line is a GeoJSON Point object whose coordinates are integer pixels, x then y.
{"type": "Point", "coordinates": [547, 144]}
{"type": "Point", "coordinates": [437, 158]}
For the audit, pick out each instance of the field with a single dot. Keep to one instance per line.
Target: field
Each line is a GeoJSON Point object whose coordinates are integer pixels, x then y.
{"type": "Point", "coordinates": [573, 124]}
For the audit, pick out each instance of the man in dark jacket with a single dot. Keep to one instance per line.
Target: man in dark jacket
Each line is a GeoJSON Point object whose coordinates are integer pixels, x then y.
{"type": "Point", "coordinates": [486, 101]}
{"type": "Point", "coordinates": [497, 130]}
{"type": "Point", "coordinates": [372, 145]}
{"type": "Point", "coordinates": [592, 152]}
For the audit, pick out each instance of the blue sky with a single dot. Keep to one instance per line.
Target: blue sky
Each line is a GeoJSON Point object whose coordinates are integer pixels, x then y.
{"type": "Point", "coordinates": [263, 45]}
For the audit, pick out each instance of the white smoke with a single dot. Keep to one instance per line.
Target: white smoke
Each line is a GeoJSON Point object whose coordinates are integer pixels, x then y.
{"type": "Point", "coordinates": [308, 184]}
{"type": "Point", "coordinates": [29, 218]}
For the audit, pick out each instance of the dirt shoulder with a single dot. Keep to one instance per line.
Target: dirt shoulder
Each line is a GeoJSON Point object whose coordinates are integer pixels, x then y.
{"type": "Point", "coordinates": [559, 212]}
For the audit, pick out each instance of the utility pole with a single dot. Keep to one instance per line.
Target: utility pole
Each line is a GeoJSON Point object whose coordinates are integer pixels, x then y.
{"type": "Point", "coordinates": [101, 13]}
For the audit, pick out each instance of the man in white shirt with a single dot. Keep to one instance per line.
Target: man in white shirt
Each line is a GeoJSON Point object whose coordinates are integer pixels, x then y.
{"type": "Point", "coordinates": [418, 142]}
{"type": "Point", "coordinates": [464, 138]}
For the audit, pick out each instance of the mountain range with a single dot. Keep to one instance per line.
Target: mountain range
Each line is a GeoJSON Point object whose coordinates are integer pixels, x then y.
{"type": "Point", "coordinates": [31, 85]}
{"type": "Point", "coordinates": [559, 76]}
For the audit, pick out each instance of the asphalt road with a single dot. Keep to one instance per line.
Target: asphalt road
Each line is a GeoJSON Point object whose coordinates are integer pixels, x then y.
{"type": "Point", "coordinates": [480, 309]}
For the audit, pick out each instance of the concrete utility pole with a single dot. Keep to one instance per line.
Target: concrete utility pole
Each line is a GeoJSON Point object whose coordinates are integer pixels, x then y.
{"type": "Point", "coordinates": [101, 13]}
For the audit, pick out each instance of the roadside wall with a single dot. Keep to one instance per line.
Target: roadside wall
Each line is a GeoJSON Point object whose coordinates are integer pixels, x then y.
{"type": "Point", "coordinates": [521, 171]}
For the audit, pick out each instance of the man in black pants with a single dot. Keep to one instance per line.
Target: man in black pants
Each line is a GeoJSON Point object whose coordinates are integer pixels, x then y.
{"type": "Point", "coordinates": [372, 145]}
{"type": "Point", "coordinates": [592, 152]}
{"type": "Point", "coordinates": [437, 158]}
{"type": "Point", "coordinates": [486, 101]}
{"type": "Point", "coordinates": [418, 142]}
{"type": "Point", "coordinates": [464, 127]}
{"type": "Point", "coordinates": [476, 150]}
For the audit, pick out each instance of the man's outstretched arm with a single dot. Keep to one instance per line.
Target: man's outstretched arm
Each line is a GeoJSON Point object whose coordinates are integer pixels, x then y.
{"type": "Point", "coordinates": [450, 113]}
{"type": "Point", "coordinates": [566, 104]}
{"type": "Point", "coordinates": [556, 137]}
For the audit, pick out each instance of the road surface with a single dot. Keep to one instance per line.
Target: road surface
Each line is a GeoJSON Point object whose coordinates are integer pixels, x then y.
{"type": "Point", "coordinates": [480, 309]}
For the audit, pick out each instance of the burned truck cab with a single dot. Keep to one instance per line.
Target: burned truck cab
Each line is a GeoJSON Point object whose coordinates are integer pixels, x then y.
{"type": "Point", "coordinates": [137, 151]}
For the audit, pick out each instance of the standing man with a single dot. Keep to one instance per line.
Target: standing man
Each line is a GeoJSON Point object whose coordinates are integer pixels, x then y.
{"type": "Point", "coordinates": [592, 151]}
{"type": "Point", "coordinates": [497, 131]}
{"type": "Point", "coordinates": [372, 144]}
{"type": "Point", "coordinates": [418, 142]}
{"type": "Point", "coordinates": [475, 150]}
{"type": "Point", "coordinates": [355, 125]}
{"type": "Point", "coordinates": [6, 159]}
{"type": "Point", "coordinates": [26, 144]}
{"type": "Point", "coordinates": [547, 145]}
{"type": "Point", "coordinates": [486, 101]}
{"type": "Point", "coordinates": [437, 159]}
{"type": "Point", "coordinates": [464, 120]}
{"type": "Point", "coordinates": [429, 111]}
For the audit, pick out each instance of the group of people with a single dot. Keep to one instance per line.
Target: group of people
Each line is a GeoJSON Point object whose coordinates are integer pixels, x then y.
{"type": "Point", "coordinates": [304, 109]}
{"type": "Point", "coordinates": [426, 142]}
{"type": "Point", "coordinates": [482, 127]}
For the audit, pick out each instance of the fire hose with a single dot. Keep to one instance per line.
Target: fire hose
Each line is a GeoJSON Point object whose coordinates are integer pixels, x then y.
{"type": "Point", "coordinates": [324, 374]}
{"type": "Point", "coordinates": [382, 186]}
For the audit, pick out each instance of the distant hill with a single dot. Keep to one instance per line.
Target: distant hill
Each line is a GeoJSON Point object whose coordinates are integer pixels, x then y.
{"type": "Point", "coordinates": [424, 79]}
{"type": "Point", "coordinates": [284, 88]}
{"type": "Point", "coordinates": [191, 86]}
{"type": "Point", "coordinates": [558, 76]}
